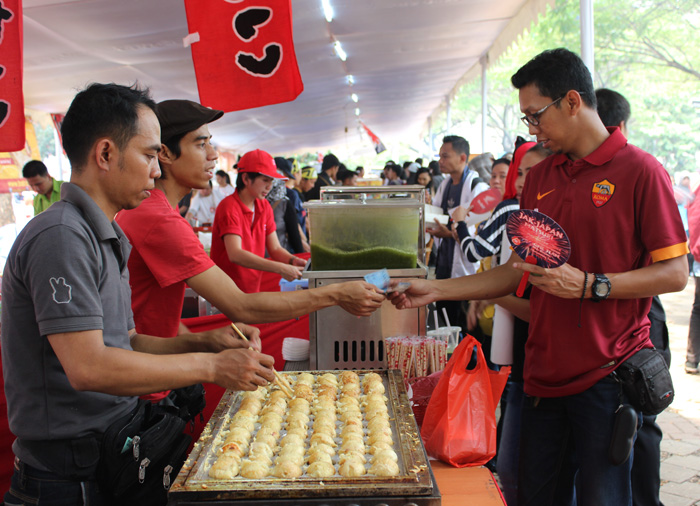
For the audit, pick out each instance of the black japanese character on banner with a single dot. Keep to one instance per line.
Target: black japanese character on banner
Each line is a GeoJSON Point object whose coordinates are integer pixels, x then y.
{"type": "Point", "coordinates": [4, 112]}
{"type": "Point", "coordinates": [247, 22]}
{"type": "Point", "coordinates": [5, 15]}
{"type": "Point", "coordinates": [263, 67]}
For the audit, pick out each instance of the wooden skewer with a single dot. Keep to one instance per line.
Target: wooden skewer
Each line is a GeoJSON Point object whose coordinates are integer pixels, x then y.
{"type": "Point", "coordinates": [280, 380]}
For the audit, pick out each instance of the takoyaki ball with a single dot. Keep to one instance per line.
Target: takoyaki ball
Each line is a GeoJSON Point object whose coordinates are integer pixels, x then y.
{"type": "Point", "coordinates": [371, 415]}
{"type": "Point", "coordinates": [321, 470]}
{"type": "Point", "coordinates": [324, 425]}
{"type": "Point", "coordinates": [327, 392]}
{"type": "Point", "coordinates": [246, 424]}
{"type": "Point", "coordinates": [226, 467]}
{"type": "Point", "coordinates": [351, 468]}
{"type": "Point", "coordinates": [293, 453]}
{"type": "Point", "coordinates": [351, 389]}
{"type": "Point", "coordinates": [374, 388]}
{"type": "Point", "coordinates": [319, 456]}
{"type": "Point", "coordinates": [272, 424]}
{"type": "Point", "coordinates": [385, 454]}
{"type": "Point", "coordinates": [346, 399]}
{"type": "Point", "coordinates": [380, 446]}
{"type": "Point", "coordinates": [233, 448]}
{"type": "Point", "coordinates": [291, 440]}
{"type": "Point", "coordinates": [356, 445]}
{"type": "Point", "coordinates": [322, 437]}
{"type": "Point", "coordinates": [386, 431]}
{"type": "Point", "coordinates": [328, 379]}
{"type": "Point", "coordinates": [297, 426]}
{"type": "Point", "coordinates": [323, 404]}
{"type": "Point", "coordinates": [304, 392]}
{"type": "Point", "coordinates": [351, 430]}
{"type": "Point", "coordinates": [306, 378]}
{"type": "Point", "coordinates": [356, 421]}
{"type": "Point", "coordinates": [328, 413]}
{"type": "Point", "coordinates": [385, 467]}
{"type": "Point", "coordinates": [299, 404]}
{"type": "Point", "coordinates": [274, 407]}
{"type": "Point", "coordinates": [261, 458]}
{"type": "Point", "coordinates": [371, 377]}
{"type": "Point", "coordinates": [378, 423]}
{"type": "Point", "coordinates": [277, 395]}
{"type": "Point", "coordinates": [286, 469]}
{"type": "Point", "coordinates": [349, 377]}
{"type": "Point", "coordinates": [322, 448]}
{"type": "Point", "coordinates": [260, 448]}
{"type": "Point", "coordinates": [350, 415]}
{"type": "Point", "coordinates": [243, 414]}
{"type": "Point", "coordinates": [377, 438]}
{"type": "Point", "coordinates": [259, 394]}
{"type": "Point", "coordinates": [238, 435]}
{"type": "Point", "coordinates": [268, 433]}
{"type": "Point", "coordinates": [354, 456]}
{"type": "Point", "coordinates": [302, 432]}
{"type": "Point", "coordinates": [253, 469]}
{"type": "Point", "coordinates": [251, 405]}
{"type": "Point", "coordinates": [376, 409]}
{"type": "Point", "coordinates": [374, 397]}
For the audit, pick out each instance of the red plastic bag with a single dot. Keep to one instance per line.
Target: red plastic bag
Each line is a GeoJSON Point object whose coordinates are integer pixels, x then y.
{"type": "Point", "coordinates": [459, 427]}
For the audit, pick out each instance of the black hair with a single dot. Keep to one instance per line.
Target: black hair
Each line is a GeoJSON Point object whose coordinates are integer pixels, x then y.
{"type": "Point", "coordinates": [434, 167]}
{"type": "Point", "coordinates": [34, 168]}
{"type": "Point", "coordinates": [223, 174]}
{"type": "Point", "coordinates": [419, 161]}
{"type": "Point", "coordinates": [424, 170]}
{"type": "Point", "coordinates": [394, 168]}
{"type": "Point", "coordinates": [345, 174]}
{"type": "Point", "coordinates": [102, 110]}
{"type": "Point", "coordinates": [252, 176]}
{"type": "Point", "coordinates": [330, 161]}
{"type": "Point", "coordinates": [459, 144]}
{"type": "Point", "coordinates": [406, 164]}
{"type": "Point", "coordinates": [613, 108]}
{"type": "Point", "coordinates": [500, 160]}
{"type": "Point", "coordinates": [555, 72]}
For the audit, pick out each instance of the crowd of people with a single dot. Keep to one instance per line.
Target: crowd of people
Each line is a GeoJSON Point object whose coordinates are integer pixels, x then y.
{"type": "Point", "coordinates": [93, 287]}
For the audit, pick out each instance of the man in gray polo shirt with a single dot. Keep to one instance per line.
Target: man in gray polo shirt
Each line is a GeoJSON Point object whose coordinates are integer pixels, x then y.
{"type": "Point", "coordinates": [72, 361]}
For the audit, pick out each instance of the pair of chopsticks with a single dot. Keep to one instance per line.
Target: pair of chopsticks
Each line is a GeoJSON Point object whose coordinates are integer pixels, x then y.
{"type": "Point", "coordinates": [279, 379]}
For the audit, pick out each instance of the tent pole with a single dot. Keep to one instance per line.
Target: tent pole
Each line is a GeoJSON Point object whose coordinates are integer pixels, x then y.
{"type": "Point", "coordinates": [484, 103]}
{"type": "Point", "coordinates": [587, 36]}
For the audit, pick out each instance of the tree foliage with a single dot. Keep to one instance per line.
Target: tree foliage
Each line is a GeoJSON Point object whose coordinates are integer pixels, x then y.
{"type": "Point", "coordinates": [646, 49]}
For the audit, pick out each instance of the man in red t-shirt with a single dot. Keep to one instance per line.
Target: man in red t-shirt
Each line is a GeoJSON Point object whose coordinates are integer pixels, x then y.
{"type": "Point", "coordinates": [167, 255]}
{"type": "Point", "coordinates": [244, 228]}
{"type": "Point", "coordinates": [589, 315]}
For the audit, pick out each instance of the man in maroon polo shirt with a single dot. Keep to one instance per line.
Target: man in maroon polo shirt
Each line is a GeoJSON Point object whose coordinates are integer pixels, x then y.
{"type": "Point", "coordinates": [589, 315]}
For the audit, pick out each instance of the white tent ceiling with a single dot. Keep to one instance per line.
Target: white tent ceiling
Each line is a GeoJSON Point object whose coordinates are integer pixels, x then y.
{"type": "Point", "coordinates": [406, 56]}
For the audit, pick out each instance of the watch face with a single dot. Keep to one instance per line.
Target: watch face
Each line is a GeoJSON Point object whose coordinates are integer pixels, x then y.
{"type": "Point", "coordinates": [601, 289]}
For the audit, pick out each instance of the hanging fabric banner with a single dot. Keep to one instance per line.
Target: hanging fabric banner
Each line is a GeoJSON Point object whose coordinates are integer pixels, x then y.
{"type": "Point", "coordinates": [243, 55]}
{"type": "Point", "coordinates": [12, 135]}
{"type": "Point", "coordinates": [378, 144]}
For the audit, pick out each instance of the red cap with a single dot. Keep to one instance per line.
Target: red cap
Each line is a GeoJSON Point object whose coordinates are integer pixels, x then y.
{"type": "Point", "coordinates": [260, 162]}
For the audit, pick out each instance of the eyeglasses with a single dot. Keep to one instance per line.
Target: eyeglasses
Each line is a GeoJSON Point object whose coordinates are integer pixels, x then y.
{"type": "Point", "coordinates": [534, 118]}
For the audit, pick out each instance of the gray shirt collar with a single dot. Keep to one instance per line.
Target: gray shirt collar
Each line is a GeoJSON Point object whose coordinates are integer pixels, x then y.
{"type": "Point", "coordinates": [99, 223]}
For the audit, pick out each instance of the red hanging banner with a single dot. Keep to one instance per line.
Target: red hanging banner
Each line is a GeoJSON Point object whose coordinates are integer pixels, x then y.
{"type": "Point", "coordinates": [12, 136]}
{"type": "Point", "coordinates": [243, 54]}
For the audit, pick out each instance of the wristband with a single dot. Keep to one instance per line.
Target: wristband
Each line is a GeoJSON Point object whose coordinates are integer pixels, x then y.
{"type": "Point", "coordinates": [291, 260]}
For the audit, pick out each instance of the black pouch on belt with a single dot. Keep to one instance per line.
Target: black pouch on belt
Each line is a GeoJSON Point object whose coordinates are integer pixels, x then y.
{"type": "Point", "coordinates": [646, 381]}
{"type": "Point", "coordinates": [141, 455]}
{"type": "Point", "coordinates": [623, 434]}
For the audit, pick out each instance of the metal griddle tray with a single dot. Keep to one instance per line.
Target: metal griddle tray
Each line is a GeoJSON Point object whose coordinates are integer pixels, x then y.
{"type": "Point", "coordinates": [193, 481]}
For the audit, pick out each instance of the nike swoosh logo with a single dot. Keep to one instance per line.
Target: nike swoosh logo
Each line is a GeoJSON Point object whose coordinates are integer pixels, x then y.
{"type": "Point", "coordinates": [540, 196]}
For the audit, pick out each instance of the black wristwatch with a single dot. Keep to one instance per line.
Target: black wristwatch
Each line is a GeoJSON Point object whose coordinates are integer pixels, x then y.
{"type": "Point", "coordinates": [600, 289]}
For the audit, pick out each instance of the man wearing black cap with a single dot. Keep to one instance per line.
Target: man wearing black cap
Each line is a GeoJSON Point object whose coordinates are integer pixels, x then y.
{"type": "Point", "coordinates": [167, 255]}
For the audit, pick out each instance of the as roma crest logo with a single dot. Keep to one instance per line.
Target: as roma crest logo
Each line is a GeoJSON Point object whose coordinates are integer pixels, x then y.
{"type": "Point", "coordinates": [602, 192]}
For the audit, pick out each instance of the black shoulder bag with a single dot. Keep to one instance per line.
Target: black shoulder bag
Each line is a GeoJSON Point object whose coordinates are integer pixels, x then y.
{"type": "Point", "coordinates": [646, 381]}
{"type": "Point", "coordinates": [141, 455]}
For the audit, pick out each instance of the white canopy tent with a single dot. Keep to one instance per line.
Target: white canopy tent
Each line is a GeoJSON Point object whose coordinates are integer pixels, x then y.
{"type": "Point", "coordinates": [406, 57]}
